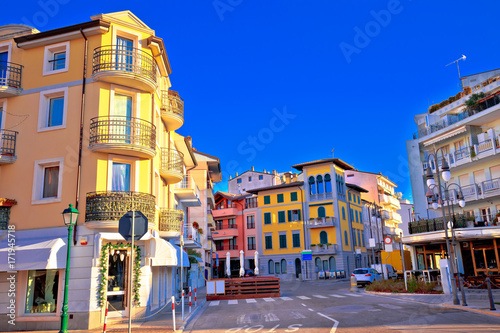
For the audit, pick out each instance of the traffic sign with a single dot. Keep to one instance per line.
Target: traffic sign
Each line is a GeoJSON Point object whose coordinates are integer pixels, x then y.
{"type": "Point", "coordinates": [388, 247]}
{"type": "Point", "coordinates": [371, 242]}
{"type": "Point", "coordinates": [306, 255]}
{"type": "Point", "coordinates": [388, 240]}
{"type": "Point", "coordinates": [140, 225]}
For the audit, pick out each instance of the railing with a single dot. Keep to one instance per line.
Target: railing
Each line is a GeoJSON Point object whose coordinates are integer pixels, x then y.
{"type": "Point", "coordinates": [8, 142]}
{"type": "Point", "coordinates": [10, 74]}
{"type": "Point", "coordinates": [251, 203]}
{"type": "Point", "coordinates": [221, 226]}
{"type": "Point", "coordinates": [219, 248]}
{"type": "Point", "coordinates": [484, 146]}
{"type": "Point", "coordinates": [490, 186]}
{"type": "Point", "coordinates": [122, 130]}
{"type": "Point", "coordinates": [321, 222]}
{"type": "Point", "coordinates": [125, 59]}
{"type": "Point", "coordinates": [171, 102]}
{"type": "Point", "coordinates": [111, 206]}
{"type": "Point", "coordinates": [225, 206]}
{"type": "Point", "coordinates": [462, 153]}
{"type": "Point", "coordinates": [251, 247]}
{"type": "Point", "coordinates": [436, 224]}
{"type": "Point", "coordinates": [188, 183]}
{"type": "Point", "coordinates": [469, 191]}
{"type": "Point", "coordinates": [191, 234]}
{"type": "Point", "coordinates": [233, 246]}
{"type": "Point", "coordinates": [172, 160]}
{"type": "Point", "coordinates": [321, 196]}
{"type": "Point", "coordinates": [171, 219]}
{"type": "Point", "coordinates": [324, 248]}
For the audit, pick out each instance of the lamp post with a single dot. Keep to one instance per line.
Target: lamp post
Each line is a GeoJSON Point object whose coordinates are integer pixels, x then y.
{"type": "Point", "coordinates": [212, 233]}
{"type": "Point", "coordinates": [70, 215]}
{"type": "Point", "coordinates": [372, 216]}
{"type": "Point", "coordinates": [445, 173]}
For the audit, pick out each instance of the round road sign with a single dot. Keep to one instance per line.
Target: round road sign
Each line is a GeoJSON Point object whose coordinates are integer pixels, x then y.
{"type": "Point", "coordinates": [388, 240]}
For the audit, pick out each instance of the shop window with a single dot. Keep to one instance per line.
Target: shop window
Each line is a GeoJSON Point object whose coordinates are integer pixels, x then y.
{"type": "Point", "coordinates": [41, 291]}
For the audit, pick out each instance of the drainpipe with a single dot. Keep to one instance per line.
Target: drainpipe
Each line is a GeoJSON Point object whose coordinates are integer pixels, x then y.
{"type": "Point", "coordinates": [82, 114]}
{"type": "Point", "coordinates": [304, 230]}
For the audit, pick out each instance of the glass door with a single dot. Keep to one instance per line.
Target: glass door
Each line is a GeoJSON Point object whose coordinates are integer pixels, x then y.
{"type": "Point", "coordinates": [3, 70]}
{"type": "Point", "coordinates": [124, 54]}
{"type": "Point", "coordinates": [120, 181]}
{"type": "Point", "coordinates": [121, 119]}
{"type": "Point", "coordinates": [117, 282]}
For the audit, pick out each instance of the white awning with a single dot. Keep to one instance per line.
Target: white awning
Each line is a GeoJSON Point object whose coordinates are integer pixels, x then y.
{"type": "Point", "coordinates": [31, 254]}
{"type": "Point", "coordinates": [185, 258]}
{"type": "Point", "coordinates": [164, 253]}
{"type": "Point", "coordinates": [446, 135]}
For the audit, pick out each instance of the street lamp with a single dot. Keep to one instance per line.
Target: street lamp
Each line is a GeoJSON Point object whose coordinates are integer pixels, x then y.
{"type": "Point", "coordinates": [445, 173]}
{"type": "Point", "coordinates": [70, 215]}
{"type": "Point", "coordinates": [373, 215]}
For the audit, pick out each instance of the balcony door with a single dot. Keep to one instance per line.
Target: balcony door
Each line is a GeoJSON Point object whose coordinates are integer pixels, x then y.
{"type": "Point", "coordinates": [3, 70]}
{"type": "Point", "coordinates": [124, 54]}
{"type": "Point", "coordinates": [118, 266]}
{"type": "Point", "coordinates": [121, 119]}
{"type": "Point", "coordinates": [120, 181]}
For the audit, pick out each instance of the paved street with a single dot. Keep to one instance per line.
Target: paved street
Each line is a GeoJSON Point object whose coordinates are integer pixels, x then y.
{"type": "Point", "coordinates": [330, 307]}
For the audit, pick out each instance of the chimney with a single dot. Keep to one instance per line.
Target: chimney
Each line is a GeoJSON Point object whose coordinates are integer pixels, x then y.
{"type": "Point", "coordinates": [230, 177]}
{"type": "Point", "coordinates": [274, 172]}
{"type": "Point", "coordinates": [253, 169]}
{"type": "Point", "coordinates": [264, 171]}
{"type": "Point", "coordinates": [236, 175]}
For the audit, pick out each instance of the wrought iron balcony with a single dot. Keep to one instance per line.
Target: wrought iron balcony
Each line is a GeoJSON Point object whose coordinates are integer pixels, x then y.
{"type": "Point", "coordinates": [108, 206]}
{"type": "Point", "coordinates": [172, 109]}
{"type": "Point", "coordinates": [7, 146]}
{"type": "Point", "coordinates": [417, 227]}
{"type": "Point", "coordinates": [172, 165]}
{"type": "Point", "coordinates": [170, 222]}
{"type": "Point", "coordinates": [10, 79]}
{"type": "Point", "coordinates": [123, 135]}
{"type": "Point", "coordinates": [127, 66]}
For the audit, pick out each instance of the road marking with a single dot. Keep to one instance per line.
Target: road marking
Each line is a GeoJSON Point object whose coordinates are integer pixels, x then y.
{"type": "Point", "coordinates": [335, 322]}
{"type": "Point", "coordinates": [353, 295]}
{"type": "Point", "coordinates": [244, 319]}
{"type": "Point", "coordinates": [319, 296]}
{"type": "Point", "coordinates": [286, 299]}
{"type": "Point", "coordinates": [310, 309]}
{"type": "Point", "coordinates": [390, 306]}
{"type": "Point", "coordinates": [374, 310]}
{"type": "Point", "coordinates": [251, 300]}
{"type": "Point", "coordinates": [232, 301]}
{"type": "Point", "coordinates": [303, 297]}
{"type": "Point", "coordinates": [338, 296]}
{"type": "Point", "coordinates": [214, 303]}
{"type": "Point", "coordinates": [268, 299]}
{"type": "Point", "coordinates": [297, 315]}
{"type": "Point", "coordinates": [271, 317]}
{"type": "Point", "coordinates": [303, 304]}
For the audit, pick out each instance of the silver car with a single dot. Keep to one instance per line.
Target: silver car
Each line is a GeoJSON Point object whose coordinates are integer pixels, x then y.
{"type": "Point", "coordinates": [366, 276]}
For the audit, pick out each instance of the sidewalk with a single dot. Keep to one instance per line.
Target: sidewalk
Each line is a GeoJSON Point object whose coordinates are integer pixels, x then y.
{"type": "Point", "coordinates": [476, 301]}
{"type": "Point", "coordinates": [160, 322]}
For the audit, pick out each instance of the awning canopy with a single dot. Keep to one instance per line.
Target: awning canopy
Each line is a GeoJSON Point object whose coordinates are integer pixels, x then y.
{"type": "Point", "coordinates": [185, 259]}
{"type": "Point", "coordinates": [32, 254]}
{"type": "Point", "coordinates": [164, 253]}
{"type": "Point", "coordinates": [446, 135]}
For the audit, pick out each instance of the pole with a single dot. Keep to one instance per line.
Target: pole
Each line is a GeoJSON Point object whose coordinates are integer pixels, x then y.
{"type": "Point", "coordinates": [189, 299]}
{"type": "Point", "coordinates": [130, 275]}
{"type": "Point", "coordinates": [105, 318]}
{"type": "Point", "coordinates": [490, 295]}
{"type": "Point", "coordinates": [464, 302]}
{"type": "Point", "coordinates": [371, 233]}
{"type": "Point", "coordinates": [173, 311]}
{"type": "Point", "coordinates": [195, 297]}
{"type": "Point", "coordinates": [402, 252]}
{"type": "Point", "coordinates": [64, 315]}
{"type": "Point", "coordinates": [182, 269]}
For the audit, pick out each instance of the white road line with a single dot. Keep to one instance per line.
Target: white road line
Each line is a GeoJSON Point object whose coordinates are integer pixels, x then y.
{"type": "Point", "coordinates": [270, 317]}
{"type": "Point", "coordinates": [320, 296]}
{"type": "Point", "coordinates": [338, 296]}
{"type": "Point", "coordinates": [310, 309]}
{"type": "Point", "coordinates": [335, 322]}
{"type": "Point", "coordinates": [251, 300]}
{"type": "Point", "coordinates": [353, 295]}
{"type": "Point", "coordinates": [214, 303]}
{"type": "Point", "coordinates": [286, 299]}
{"type": "Point", "coordinates": [297, 315]}
{"type": "Point", "coordinates": [232, 301]}
{"type": "Point", "coordinates": [268, 299]}
{"type": "Point", "coordinates": [303, 304]}
{"type": "Point", "coordinates": [374, 310]}
{"type": "Point", "coordinates": [303, 297]}
{"type": "Point", "coordinates": [390, 306]}
{"type": "Point", "coordinates": [243, 319]}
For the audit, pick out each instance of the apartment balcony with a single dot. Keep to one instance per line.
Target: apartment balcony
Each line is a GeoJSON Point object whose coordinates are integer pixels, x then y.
{"type": "Point", "coordinates": [488, 147]}
{"type": "Point", "coordinates": [104, 209]}
{"type": "Point", "coordinates": [188, 192]}
{"type": "Point", "coordinates": [125, 66]}
{"type": "Point", "coordinates": [460, 221]}
{"type": "Point", "coordinates": [324, 249]}
{"type": "Point", "coordinates": [226, 232]}
{"type": "Point", "coordinates": [321, 196]}
{"type": "Point", "coordinates": [388, 200]}
{"type": "Point", "coordinates": [321, 222]}
{"type": "Point", "coordinates": [210, 219]}
{"type": "Point", "coordinates": [10, 79]}
{"type": "Point", "coordinates": [210, 197]}
{"type": "Point", "coordinates": [223, 250]}
{"type": "Point", "coordinates": [123, 135]}
{"type": "Point", "coordinates": [7, 146]}
{"type": "Point", "coordinates": [192, 238]}
{"type": "Point", "coordinates": [225, 212]}
{"type": "Point", "coordinates": [172, 109]}
{"type": "Point", "coordinates": [170, 222]}
{"type": "Point", "coordinates": [172, 165]}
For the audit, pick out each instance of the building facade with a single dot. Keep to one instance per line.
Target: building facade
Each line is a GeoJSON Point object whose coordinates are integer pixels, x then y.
{"type": "Point", "coordinates": [462, 133]}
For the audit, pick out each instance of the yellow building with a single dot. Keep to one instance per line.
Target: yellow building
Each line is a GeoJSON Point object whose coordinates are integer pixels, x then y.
{"type": "Point", "coordinates": [87, 117]}
{"type": "Point", "coordinates": [281, 229]}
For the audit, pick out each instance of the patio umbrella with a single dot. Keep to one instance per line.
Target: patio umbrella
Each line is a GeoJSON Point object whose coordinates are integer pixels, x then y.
{"type": "Point", "coordinates": [256, 259]}
{"type": "Point", "coordinates": [242, 264]}
{"type": "Point", "coordinates": [228, 264]}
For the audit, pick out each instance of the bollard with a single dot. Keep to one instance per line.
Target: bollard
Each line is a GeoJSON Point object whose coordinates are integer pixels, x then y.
{"type": "Point", "coordinates": [183, 294]}
{"type": "Point", "coordinates": [173, 311]}
{"type": "Point", "coordinates": [189, 299]}
{"type": "Point", "coordinates": [461, 280]}
{"type": "Point", "coordinates": [195, 297]}
{"type": "Point", "coordinates": [105, 318]}
{"type": "Point", "coordinates": [490, 295]}
{"type": "Point", "coordinates": [354, 284]}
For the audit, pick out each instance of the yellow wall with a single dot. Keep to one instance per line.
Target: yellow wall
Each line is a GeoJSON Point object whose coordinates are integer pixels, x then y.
{"type": "Point", "coordinates": [394, 259]}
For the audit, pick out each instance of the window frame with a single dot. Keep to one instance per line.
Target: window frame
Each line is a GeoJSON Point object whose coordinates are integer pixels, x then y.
{"type": "Point", "coordinates": [270, 218]}
{"type": "Point", "coordinates": [48, 56]}
{"type": "Point", "coordinates": [22, 290]}
{"type": "Point", "coordinates": [44, 108]}
{"type": "Point", "coordinates": [280, 198]}
{"type": "Point", "coordinates": [281, 214]}
{"type": "Point", "coordinates": [267, 200]}
{"type": "Point", "coordinates": [266, 238]}
{"type": "Point", "coordinates": [294, 196]}
{"type": "Point", "coordinates": [252, 221]}
{"type": "Point", "coordinates": [238, 181]}
{"type": "Point", "coordinates": [282, 236]}
{"type": "Point", "coordinates": [296, 236]}
{"type": "Point", "coordinates": [38, 180]}
{"type": "Point", "coordinates": [253, 243]}
{"type": "Point", "coordinates": [134, 170]}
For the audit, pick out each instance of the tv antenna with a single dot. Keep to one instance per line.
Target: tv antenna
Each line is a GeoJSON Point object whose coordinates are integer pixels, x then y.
{"type": "Point", "coordinates": [458, 67]}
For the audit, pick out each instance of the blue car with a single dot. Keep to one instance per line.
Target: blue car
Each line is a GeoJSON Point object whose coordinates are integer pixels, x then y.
{"type": "Point", "coordinates": [366, 276]}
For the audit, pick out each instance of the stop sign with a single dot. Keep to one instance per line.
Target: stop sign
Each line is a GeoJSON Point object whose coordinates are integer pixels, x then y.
{"type": "Point", "coordinates": [140, 225]}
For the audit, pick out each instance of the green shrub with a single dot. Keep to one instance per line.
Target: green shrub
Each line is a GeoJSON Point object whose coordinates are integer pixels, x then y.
{"type": "Point", "coordinates": [395, 286]}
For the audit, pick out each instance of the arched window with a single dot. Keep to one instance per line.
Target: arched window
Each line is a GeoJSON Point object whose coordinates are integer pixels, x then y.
{"type": "Point", "coordinates": [343, 213]}
{"type": "Point", "coordinates": [312, 187]}
{"type": "Point", "coordinates": [270, 266]}
{"type": "Point", "coordinates": [323, 237]}
{"type": "Point", "coordinates": [333, 267]}
{"type": "Point", "coordinates": [317, 262]}
{"type": "Point", "coordinates": [346, 239]}
{"type": "Point", "coordinates": [328, 184]}
{"type": "Point", "coordinates": [321, 211]}
{"type": "Point", "coordinates": [319, 181]}
{"type": "Point", "coordinates": [283, 266]}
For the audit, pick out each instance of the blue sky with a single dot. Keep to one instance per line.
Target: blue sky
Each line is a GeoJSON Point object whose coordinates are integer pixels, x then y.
{"type": "Point", "coordinates": [276, 83]}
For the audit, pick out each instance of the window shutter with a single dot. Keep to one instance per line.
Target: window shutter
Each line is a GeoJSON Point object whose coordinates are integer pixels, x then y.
{"type": "Point", "coordinates": [300, 219]}
{"type": "Point", "coordinates": [289, 216]}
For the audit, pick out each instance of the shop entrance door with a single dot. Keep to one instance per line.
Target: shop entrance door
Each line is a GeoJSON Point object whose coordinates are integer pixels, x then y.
{"type": "Point", "coordinates": [118, 283]}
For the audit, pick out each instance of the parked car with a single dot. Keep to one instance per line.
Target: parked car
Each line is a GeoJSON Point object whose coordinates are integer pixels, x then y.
{"type": "Point", "coordinates": [366, 276]}
{"type": "Point", "coordinates": [249, 272]}
{"type": "Point", "coordinates": [389, 269]}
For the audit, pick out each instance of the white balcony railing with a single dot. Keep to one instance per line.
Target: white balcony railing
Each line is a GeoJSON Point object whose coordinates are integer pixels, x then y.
{"type": "Point", "coordinates": [188, 183]}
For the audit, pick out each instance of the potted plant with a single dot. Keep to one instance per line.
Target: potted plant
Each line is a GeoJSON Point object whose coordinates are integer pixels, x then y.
{"type": "Point", "coordinates": [200, 231]}
{"type": "Point", "coordinates": [320, 246]}
{"type": "Point", "coordinates": [328, 245]}
{"type": "Point", "coordinates": [196, 225]}
{"type": "Point", "coordinates": [313, 245]}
